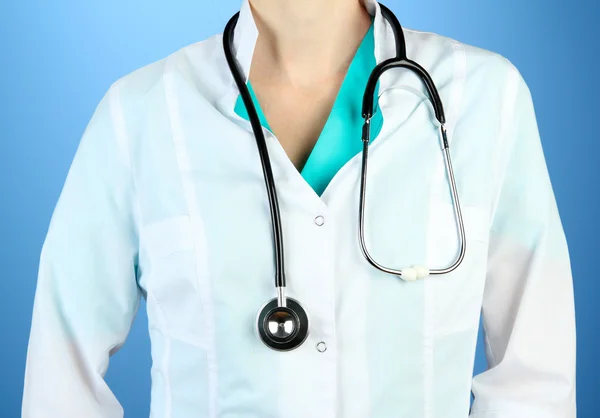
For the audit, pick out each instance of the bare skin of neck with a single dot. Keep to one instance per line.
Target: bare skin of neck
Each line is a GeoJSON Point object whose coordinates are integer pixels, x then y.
{"type": "Point", "coordinates": [301, 57]}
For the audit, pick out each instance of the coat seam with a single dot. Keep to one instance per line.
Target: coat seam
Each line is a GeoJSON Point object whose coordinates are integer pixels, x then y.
{"type": "Point", "coordinates": [183, 164]}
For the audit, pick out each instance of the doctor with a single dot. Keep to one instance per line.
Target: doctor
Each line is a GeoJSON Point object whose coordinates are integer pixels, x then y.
{"type": "Point", "coordinates": [168, 198]}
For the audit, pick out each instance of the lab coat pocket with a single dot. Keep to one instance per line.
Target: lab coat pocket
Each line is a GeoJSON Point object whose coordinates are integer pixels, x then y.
{"type": "Point", "coordinates": [168, 236]}
{"type": "Point", "coordinates": [456, 296]}
{"type": "Point", "coordinates": [174, 301]}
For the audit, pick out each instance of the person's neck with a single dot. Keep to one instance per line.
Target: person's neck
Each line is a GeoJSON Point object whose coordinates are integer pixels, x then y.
{"type": "Point", "coordinates": [309, 41]}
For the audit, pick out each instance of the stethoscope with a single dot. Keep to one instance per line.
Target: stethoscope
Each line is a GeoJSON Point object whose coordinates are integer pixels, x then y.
{"type": "Point", "coordinates": [282, 323]}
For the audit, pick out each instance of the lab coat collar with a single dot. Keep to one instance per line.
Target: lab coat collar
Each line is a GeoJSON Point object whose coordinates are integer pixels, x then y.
{"type": "Point", "coordinates": [246, 34]}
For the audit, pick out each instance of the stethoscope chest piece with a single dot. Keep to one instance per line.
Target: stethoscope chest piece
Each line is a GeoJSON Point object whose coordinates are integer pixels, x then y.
{"type": "Point", "coordinates": [282, 328]}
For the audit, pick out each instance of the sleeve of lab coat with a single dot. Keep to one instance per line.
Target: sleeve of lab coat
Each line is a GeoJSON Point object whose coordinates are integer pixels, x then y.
{"type": "Point", "coordinates": [528, 307]}
{"type": "Point", "coordinates": [87, 295]}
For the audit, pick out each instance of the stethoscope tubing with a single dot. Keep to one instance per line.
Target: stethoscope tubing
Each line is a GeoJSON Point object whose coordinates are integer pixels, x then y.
{"type": "Point", "coordinates": [277, 232]}
{"type": "Point", "coordinates": [282, 310]}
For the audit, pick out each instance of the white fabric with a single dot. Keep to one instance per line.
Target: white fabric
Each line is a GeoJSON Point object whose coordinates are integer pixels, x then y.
{"type": "Point", "coordinates": [165, 200]}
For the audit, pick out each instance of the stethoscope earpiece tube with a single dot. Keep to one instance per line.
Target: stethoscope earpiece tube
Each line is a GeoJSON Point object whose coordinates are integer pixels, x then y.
{"type": "Point", "coordinates": [381, 68]}
{"type": "Point", "coordinates": [401, 61]}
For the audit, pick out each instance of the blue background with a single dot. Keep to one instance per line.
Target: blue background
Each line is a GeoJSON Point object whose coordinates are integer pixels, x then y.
{"type": "Point", "coordinates": [59, 58]}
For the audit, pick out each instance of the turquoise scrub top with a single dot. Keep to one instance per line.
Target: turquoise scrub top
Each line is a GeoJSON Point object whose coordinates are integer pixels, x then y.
{"type": "Point", "coordinates": [340, 138]}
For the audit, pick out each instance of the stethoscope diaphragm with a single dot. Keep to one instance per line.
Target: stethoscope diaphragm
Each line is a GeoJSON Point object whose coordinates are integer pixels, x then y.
{"type": "Point", "coordinates": [282, 328]}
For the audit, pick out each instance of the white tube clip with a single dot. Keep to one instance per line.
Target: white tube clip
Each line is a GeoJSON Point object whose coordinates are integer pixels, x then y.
{"type": "Point", "coordinates": [414, 273]}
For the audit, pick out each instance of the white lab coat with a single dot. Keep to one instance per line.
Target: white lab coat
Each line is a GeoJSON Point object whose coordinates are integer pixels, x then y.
{"type": "Point", "coordinates": [165, 199]}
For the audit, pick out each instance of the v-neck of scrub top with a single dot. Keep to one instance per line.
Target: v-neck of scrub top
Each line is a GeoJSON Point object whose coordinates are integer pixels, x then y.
{"type": "Point", "coordinates": [340, 139]}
